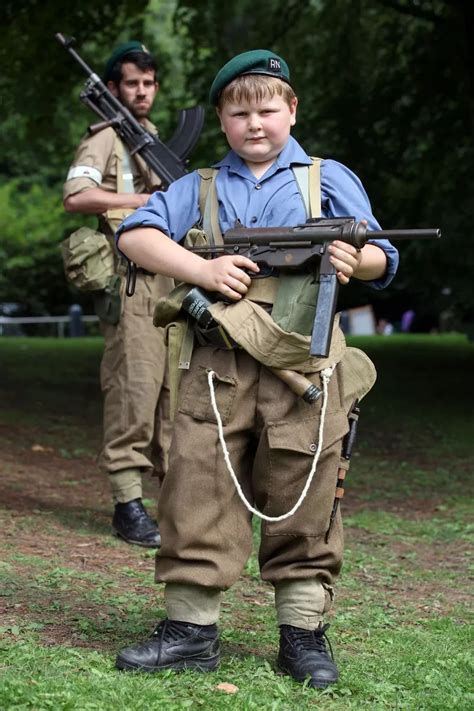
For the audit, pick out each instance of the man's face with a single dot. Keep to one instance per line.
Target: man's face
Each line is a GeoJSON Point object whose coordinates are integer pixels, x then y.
{"type": "Point", "coordinates": [136, 90]}
{"type": "Point", "coordinates": [258, 131]}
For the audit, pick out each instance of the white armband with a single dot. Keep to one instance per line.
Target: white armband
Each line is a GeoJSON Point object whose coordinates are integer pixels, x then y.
{"type": "Point", "coordinates": [85, 171]}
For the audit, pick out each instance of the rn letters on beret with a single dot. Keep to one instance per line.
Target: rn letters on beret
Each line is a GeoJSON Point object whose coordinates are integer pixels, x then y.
{"type": "Point", "coordinates": [257, 61]}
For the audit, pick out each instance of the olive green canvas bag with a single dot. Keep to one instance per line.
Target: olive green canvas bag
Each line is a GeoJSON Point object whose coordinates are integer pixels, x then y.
{"type": "Point", "coordinates": [88, 259]}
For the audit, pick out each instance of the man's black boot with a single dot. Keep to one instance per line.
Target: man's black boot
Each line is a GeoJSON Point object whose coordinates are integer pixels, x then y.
{"type": "Point", "coordinates": [303, 654]}
{"type": "Point", "coordinates": [174, 645]}
{"type": "Point", "coordinates": [132, 523]}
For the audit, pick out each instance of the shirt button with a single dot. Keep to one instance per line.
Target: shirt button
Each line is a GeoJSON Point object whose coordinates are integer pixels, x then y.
{"type": "Point", "coordinates": [258, 186]}
{"type": "Point", "coordinates": [312, 447]}
{"type": "Point", "coordinates": [254, 219]}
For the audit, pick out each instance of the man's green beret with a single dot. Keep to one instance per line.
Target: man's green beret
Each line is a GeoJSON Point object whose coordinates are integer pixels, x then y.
{"type": "Point", "coordinates": [120, 51]}
{"type": "Point", "coordinates": [257, 61]}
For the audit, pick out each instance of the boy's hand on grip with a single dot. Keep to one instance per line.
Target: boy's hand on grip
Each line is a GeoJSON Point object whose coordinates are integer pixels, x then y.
{"type": "Point", "coordinates": [228, 275]}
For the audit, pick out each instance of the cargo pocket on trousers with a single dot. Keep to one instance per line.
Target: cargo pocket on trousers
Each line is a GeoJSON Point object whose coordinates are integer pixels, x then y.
{"type": "Point", "coordinates": [292, 447]}
{"type": "Point", "coordinates": [195, 397]}
{"type": "Point", "coordinates": [142, 305]}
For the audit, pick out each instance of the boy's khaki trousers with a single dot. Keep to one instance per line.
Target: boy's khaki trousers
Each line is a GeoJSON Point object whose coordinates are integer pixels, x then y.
{"type": "Point", "coordinates": [271, 436]}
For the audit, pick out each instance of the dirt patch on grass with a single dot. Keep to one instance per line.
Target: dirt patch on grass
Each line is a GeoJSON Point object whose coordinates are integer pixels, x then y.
{"type": "Point", "coordinates": [65, 575]}
{"type": "Point", "coordinates": [61, 563]}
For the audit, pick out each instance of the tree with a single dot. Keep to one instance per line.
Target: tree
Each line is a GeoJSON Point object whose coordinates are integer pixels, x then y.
{"type": "Point", "coordinates": [43, 121]}
{"type": "Point", "coordinates": [385, 87]}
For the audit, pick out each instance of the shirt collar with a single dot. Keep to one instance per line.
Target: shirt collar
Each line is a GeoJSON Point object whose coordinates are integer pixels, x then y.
{"type": "Point", "coordinates": [292, 154]}
{"type": "Point", "coordinates": [150, 126]}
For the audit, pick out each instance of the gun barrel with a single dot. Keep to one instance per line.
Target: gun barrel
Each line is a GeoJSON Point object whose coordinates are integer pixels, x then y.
{"type": "Point", "coordinates": [434, 233]}
{"type": "Point", "coordinates": [322, 231]}
{"type": "Point", "coordinates": [67, 43]}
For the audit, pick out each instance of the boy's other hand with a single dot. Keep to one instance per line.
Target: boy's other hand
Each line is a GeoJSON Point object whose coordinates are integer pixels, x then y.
{"type": "Point", "coordinates": [345, 258]}
{"type": "Point", "coordinates": [228, 275]}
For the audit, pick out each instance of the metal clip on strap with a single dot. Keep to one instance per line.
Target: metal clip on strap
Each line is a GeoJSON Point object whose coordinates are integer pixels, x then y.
{"type": "Point", "coordinates": [131, 278]}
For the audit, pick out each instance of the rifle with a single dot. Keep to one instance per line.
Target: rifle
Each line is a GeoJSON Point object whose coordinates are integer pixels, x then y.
{"type": "Point", "coordinates": [297, 248]}
{"type": "Point", "coordinates": [166, 160]}
{"type": "Point", "coordinates": [346, 454]}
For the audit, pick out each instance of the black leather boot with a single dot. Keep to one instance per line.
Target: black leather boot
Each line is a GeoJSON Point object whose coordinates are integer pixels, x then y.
{"type": "Point", "coordinates": [174, 645]}
{"type": "Point", "coordinates": [132, 523]}
{"type": "Point", "coordinates": [303, 654]}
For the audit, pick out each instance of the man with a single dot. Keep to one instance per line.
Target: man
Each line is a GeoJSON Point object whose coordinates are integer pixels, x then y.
{"type": "Point", "coordinates": [105, 180]}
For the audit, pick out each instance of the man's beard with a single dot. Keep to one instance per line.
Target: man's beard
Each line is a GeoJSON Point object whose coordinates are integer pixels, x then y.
{"type": "Point", "coordinates": [137, 112]}
{"type": "Point", "coordinates": [141, 113]}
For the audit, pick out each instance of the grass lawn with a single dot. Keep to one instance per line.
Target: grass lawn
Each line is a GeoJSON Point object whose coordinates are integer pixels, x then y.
{"type": "Point", "coordinates": [71, 595]}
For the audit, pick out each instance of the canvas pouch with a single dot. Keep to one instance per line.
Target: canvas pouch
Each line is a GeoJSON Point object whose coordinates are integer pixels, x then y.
{"type": "Point", "coordinates": [88, 259]}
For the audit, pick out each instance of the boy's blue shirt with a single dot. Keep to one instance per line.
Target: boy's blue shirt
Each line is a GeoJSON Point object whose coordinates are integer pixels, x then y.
{"type": "Point", "coordinates": [273, 200]}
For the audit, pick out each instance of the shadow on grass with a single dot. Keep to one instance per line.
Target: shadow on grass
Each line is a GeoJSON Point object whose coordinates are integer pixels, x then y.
{"type": "Point", "coordinates": [90, 520]}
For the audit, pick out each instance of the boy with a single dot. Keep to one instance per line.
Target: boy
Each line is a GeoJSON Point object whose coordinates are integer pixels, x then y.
{"type": "Point", "coordinates": [233, 413]}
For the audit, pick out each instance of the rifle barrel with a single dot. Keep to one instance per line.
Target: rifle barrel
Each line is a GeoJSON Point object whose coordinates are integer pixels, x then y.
{"type": "Point", "coordinates": [67, 43]}
{"type": "Point", "coordinates": [405, 234]}
{"type": "Point", "coordinates": [324, 231]}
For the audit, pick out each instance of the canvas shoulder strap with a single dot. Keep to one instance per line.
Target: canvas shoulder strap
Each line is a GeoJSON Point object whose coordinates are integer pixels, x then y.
{"type": "Point", "coordinates": [293, 308]}
{"type": "Point", "coordinates": [308, 180]}
{"type": "Point", "coordinates": [124, 168]}
{"type": "Point", "coordinates": [209, 205]}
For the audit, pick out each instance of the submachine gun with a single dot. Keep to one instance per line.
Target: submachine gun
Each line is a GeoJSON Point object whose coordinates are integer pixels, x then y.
{"type": "Point", "coordinates": [302, 247]}
{"type": "Point", "coordinates": [167, 160]}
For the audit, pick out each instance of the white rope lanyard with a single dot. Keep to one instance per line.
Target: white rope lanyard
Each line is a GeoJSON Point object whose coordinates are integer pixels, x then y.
{"type": "Point", "coordinates": [325, 377]}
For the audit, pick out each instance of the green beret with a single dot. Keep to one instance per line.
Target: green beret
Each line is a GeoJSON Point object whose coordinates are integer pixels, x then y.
{"type": "Point", "coordinates": [257, 61]}
{"type": "Point", "coordinates": [120, 51]}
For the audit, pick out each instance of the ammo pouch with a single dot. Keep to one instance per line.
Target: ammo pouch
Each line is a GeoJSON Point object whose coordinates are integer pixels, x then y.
{"type": "Point", "coordinates": [89, 264]}
{"type": "Point", "coordinates": [88, 259]}
{"type": "Point", "coordinates": [108, 301]}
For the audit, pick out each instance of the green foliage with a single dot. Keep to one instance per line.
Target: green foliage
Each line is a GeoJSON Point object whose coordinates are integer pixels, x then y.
{"type": "Point", "coordinates": [37, 91]}
{"type": "Point", "coordinates": [32, 224]}
{"type": "Point", "coordinates": [41, 124]}
{"type": "Point", "coordinates": [385, 86]}
{"type": "Point", "coordinates": [43, 121]}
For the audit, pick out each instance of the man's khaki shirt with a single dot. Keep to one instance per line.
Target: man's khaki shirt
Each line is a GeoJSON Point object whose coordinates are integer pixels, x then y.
{"type": "Point", "coordinates": [101, 154]}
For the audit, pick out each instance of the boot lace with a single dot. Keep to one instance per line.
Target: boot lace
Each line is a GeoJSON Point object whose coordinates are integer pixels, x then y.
{"type": "Point", "coordinates": [142, 515]}
{"type": "Point", "coordinates": [311, 640]}
{"type": "Point", "coordinates": [171, 631]}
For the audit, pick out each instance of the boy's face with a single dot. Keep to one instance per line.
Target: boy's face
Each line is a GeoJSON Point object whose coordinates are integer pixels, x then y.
{"type": "Point", "coordinates": [258, 131]}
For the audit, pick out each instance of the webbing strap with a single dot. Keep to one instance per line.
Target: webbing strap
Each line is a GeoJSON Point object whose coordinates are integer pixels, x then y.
{"type": "Point", "coordinates": [215, 227]}
{"type": "Point", "coordinates": [128, 186]}
{"type": "Point", "coordinates": [301, 174]}
{"type": "Point", "coordinates": [209, 206]}
{"type": "Point", "coordinates": [124, 168]}
{"type": "Point", "coordinates": [308, 179]}
{"type": "Point", "coordinates": [315, 187]}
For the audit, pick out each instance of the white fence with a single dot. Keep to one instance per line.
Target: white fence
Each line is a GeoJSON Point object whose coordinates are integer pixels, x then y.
{"type": "Point", "coordinates": [60, 321]}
